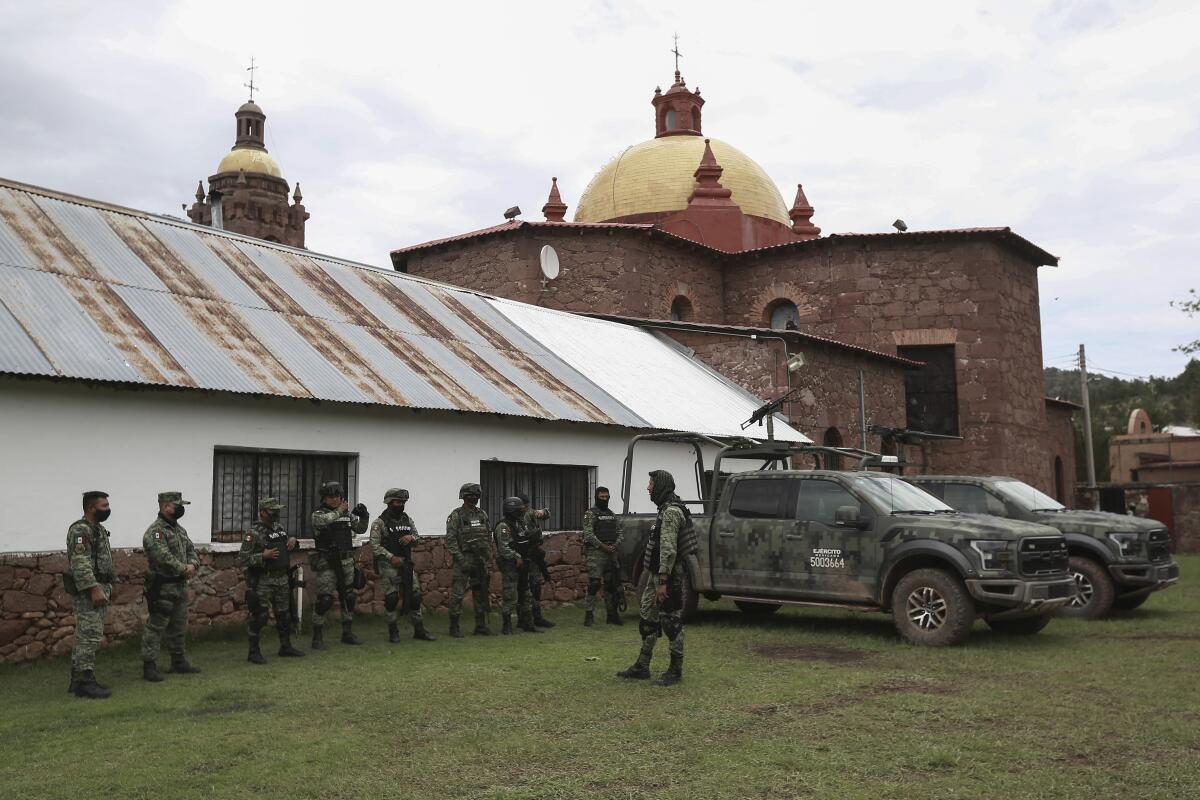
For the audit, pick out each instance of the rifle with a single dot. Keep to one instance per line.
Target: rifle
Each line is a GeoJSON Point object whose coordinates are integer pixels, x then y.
{"type": "Point", "coordinates": [616, 582]}
{"type": "Point", "coordinates": [334, 555]}
{"type": "Point", "coordinates": [406, 585]}
{"type": "Point", "coordinates": [481, 577]}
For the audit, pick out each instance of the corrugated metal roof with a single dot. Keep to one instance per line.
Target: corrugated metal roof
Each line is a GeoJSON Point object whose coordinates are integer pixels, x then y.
{"type": "Point", "coordinates": [97, 292]}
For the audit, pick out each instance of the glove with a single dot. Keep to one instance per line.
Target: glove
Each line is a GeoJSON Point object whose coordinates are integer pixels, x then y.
{"type": "Point", "coordinates": [360, 510]}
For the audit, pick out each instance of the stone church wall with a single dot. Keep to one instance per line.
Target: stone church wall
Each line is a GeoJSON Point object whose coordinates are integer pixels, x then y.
{"type": "Point", "coordinates": [35, 611]}
{"type": "Point", "coordinates": [1060, 444]}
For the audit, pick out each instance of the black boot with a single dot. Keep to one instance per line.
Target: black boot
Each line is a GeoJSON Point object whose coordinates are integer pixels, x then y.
{"type": "Point", "coordinates": [589, 619]}
{"type": "Point", "coordinates": [674, 673]}
{"type": "Point", "coordinates": [150, 672]}
{"type": "Point", "coordinates": [180, 665]}
{"type": "Point", "coordinates": [393, 632]}
{"type": "Point", "coordinates": [638, 671]}
{"type": "Point", "coordinates": [74, 681]}
{"type": "Point", "coordinates": [318, 642]}
{"type": "Point", "coordinates": [613, 618]}
{"type": "Point", "coordinates": [481, 628]}
{"type": "Point", "coordinates": [86, 686]}
{"type": "Point", "coordinates": [421, 634]}
{"type": "Point", "coordinates": [525, 622]}
{"type": "Point", "coordinates": [348, 636]}
{"type": "Point", "coordinates": [539, 620]}
{"type": "Point", "coordinates": [255, 656]}
{"type": "Point", "coordinates": [455, 631]}
{"type": "Point", "coordinates": [285, 646]}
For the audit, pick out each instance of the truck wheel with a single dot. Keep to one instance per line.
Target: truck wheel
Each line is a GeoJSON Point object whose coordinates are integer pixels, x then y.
{"type": "Point", "coordinates": [932, 607]}
{"type": "Point", "coordinates": [1024, 626]}
{"type": "Point", "coordinates": [756, 609]}
{"type": "Point", "coordinates": [1094, 590]}
{"type": "Point", "coordinates": [1130, 603]}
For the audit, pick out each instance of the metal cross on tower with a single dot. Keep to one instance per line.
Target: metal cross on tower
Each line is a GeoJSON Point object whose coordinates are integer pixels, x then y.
{"type": "Point", "coordinates": [250, 85]}
{"type": "Point", "coordinates": [675, 50]}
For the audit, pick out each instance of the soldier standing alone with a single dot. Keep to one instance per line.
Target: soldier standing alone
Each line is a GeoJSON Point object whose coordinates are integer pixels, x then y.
{"type": "Point", "coordinates": [173, 560]}
{"type": "Point", "coordinates": [88, 580]}
{"type": "Point", "coordinates": [602, 534]}
{"type": "Point", "coordinates": [468, 537]}
{"type": "Point", "coordinates": [334, 526]}
{"type": "Point", "coordinates": [265, 557]}
{"type": "Point", "coordinates": [393, 534]}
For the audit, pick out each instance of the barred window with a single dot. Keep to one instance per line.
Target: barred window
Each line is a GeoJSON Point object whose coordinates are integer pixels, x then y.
{"type": "Point", "coordinates": [242, 477]}
{"type": "Point", "coordinates": [932, 390]}
{"type": "Point", "coordinates": [564, 489]}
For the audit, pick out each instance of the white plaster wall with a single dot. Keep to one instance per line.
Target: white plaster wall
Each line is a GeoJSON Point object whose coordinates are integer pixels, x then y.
{"type": "Point", "coordinates": [59, 439]}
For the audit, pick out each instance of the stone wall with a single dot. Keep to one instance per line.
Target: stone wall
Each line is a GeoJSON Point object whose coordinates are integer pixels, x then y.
{"type": "Point", "coordinates": [1185, 506]}
{"type": "Point", "coordinates": [35, 612]}
{"type": "Point", "coordinates": [1060, 444]}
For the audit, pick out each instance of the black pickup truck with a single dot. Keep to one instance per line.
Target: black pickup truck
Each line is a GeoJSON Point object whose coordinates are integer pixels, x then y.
{"type": "Point", "coordinates": [859, 540]}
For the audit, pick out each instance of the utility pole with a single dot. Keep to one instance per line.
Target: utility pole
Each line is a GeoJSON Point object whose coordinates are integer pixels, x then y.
{"type": "Point", "coordinates": [1087, 426]}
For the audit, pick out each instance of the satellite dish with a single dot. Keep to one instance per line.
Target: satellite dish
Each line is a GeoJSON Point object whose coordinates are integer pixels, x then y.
{"type": "Point", "coordinates": [549, 260]}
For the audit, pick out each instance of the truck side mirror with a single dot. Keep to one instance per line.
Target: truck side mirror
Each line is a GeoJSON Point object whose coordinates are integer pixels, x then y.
{"type": "Point", "coordinates": [849, 517]}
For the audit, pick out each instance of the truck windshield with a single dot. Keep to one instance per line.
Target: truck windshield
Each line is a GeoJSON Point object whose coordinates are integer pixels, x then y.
{"type": "Point", "coordinates": [1028, 497]}
{"type": "Point", "coordinates": [897, 496]}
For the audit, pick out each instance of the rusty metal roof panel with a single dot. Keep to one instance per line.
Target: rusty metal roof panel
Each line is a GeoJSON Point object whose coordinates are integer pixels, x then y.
{"type": "Point", "coordinates": [415, 387]}
{"type": "Point", "coordinates": [18, 353]}
{"type": "Point", "coordinates": [357, 287]}
{"type": "Point", "coordinates": [60, 328]}
{"type": "Point", "coordinates": [427, 298]}
{"type": "Point", "coordinates": [205, 264]}
{"type": "Point", "coordinates": [483, 392]}
{"type": "Point", "coordinates": [270, 262]}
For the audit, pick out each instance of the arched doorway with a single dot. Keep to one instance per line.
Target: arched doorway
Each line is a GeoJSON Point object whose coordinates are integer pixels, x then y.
{"type": "Point", "coordinates": [681, 309]}
{"type": "Point", "coordinates": [832, 438]}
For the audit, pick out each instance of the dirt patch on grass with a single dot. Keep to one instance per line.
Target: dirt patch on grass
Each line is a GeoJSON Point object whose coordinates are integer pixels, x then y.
{"type": "Point", "coordinates": [811, 652]}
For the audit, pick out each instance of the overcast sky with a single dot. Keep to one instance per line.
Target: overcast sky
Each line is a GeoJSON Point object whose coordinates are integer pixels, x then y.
{"type": "Point", "coordinates": [1075, 123]}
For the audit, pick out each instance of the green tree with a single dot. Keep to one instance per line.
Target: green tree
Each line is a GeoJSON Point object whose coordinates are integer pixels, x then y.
{"type": "Point", "coordinates": [1191, 307]}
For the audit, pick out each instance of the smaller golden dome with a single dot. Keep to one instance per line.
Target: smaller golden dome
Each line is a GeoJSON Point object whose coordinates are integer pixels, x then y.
{"type": "Point", "coordinates": [250, 160]}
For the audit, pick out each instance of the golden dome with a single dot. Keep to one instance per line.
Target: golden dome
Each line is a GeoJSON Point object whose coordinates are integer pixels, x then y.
{"type": "Point", "coordinates": [658, 175]}
{"type": "Point", "coordinates": [250, 160]}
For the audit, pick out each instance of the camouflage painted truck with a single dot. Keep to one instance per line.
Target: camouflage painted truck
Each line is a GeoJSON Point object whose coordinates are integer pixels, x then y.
{"type": "Point", "coordinates": [1117, 561]}
{"type": "Point", "coordinates": [860, 540]}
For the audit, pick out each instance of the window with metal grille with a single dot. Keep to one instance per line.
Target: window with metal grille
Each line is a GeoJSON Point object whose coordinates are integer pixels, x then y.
{"type": "Point", "coordinates": [931, 391]}
{"type": "Point", "coordinates": [242, 477]}
{"type": "Point", "coordinates": [565, 490]}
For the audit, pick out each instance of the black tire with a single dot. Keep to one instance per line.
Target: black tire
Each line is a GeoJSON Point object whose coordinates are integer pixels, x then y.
{"type": "Point", "coordinates": [1024, 626]}
{"type": "Point", "coordinates": [1130, 603]}
{"type": "Point", "coordinates": [756, 609]}
{"type": "Point", "coordinates": [1094, 590]}
{"type": "Point", "coordinates": [691, 600]}
{"type": "Point", "coordinates": [931, 607]}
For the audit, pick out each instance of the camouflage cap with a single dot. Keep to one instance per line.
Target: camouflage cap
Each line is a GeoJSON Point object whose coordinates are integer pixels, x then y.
{"type": "Point", "coordinates": [331, 489]}
{"type": "Point", "coordinates": [173, 497]}
{"type": "Point", "coordinates": [469, 489]}
{"type": "Point", "coordinates": [270, 504]}
{"type": "Point", "coordinates": [395, 494]}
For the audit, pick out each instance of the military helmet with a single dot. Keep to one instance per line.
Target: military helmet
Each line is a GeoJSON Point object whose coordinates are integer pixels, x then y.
{"type": "Point", "coordinates": [470, 489]}
{"type": "Point", "coordinates": [396, 494]}
{"type": "Point", "coordinates": [270, 504]}
{"type": "Point", "coordinates": [513, 506]}
{"type": "Point", "coordinates": [332, 489]}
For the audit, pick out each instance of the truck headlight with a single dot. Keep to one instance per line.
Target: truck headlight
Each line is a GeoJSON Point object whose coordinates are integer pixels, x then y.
{"type": "Point", "coordinates": [993, 554]}
{"type": "Point", "coordinates": [1129, 545]}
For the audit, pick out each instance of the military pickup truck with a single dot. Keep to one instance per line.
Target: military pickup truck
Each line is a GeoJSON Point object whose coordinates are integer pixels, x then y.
{"type": "Point", "coordinates": [857, 540]}
{"type": "Point", "coordinates": [1117, 561]}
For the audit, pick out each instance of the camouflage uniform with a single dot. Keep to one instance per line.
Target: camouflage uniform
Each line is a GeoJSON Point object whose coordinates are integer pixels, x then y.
{"type": "Point", "coordinates": [333, 532]}
{"type": "Point", "coordinates": [268, 585]}
{"type": "Point", "coordinates": [90, 565]}
{"type": "Point", "coordinates": [402, 582]}
{"type": "Point", "coordinates": [512, 545]}
{"type": "Point", "coordinates": [467, 539]}
{"type": "Point", "coordinates": [169, 551]}
{"type": "Point", "coordinates": [602, 527]}
{"type": "Point", "coordinates": [533, 573]}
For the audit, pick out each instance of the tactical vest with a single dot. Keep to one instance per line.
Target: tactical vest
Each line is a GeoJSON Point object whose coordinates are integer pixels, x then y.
{"type": "Point", "coordinates": [102, 566]}
{"type": "Point", "coordinates": [472, 530]}
{"type": "Point", "coordinates": [604, 524]}
{"type": "Point", "coordinates": [278, 539]}
{"type": "Point", "coordinates": [395, 530]}
{"type": "Point", "coordinates": [520, 540]}
{"type": "Point", "coordinates": [335, 535]}
{"type": "Point", "coordinates": [686, 544]}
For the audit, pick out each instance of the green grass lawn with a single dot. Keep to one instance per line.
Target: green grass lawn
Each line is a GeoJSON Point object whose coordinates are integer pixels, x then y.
{"type": "Point", "coordinates": [802, 704]}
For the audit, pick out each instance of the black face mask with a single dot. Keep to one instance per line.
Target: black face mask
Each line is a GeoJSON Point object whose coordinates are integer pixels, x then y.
{"type": "Point", "coordinates": [103, 515]}
{"type": "Point", "coordinates": [273, 515]}
{"type": "Point", "coordinates": [179, 510]}
{"type": "Point", "coordinates": [395, 511]}
{"type": "Point", "coordinates": [602, 503]}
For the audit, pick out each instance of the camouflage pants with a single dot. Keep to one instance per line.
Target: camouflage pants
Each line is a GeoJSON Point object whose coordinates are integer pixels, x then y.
{"type": "Point", "coordinates": [273, 596]}
{"type": "Point", "coordinates": [327, 581]}
{"type": "Point", "coordinates": [168, 618]}
{"type": "Point", "coordinates": [601, 566]}
{"type": "Point", "coordinates": [535, 590]}
{"type": "Point", "coordinates": [515, 588]}
{"type": "Point", "coordinates": [391, 582]}
{"type": "Point", "coordinates": [468, 571]}
{"type": "Point", "coordinates": [656, 620]}
{"type": "Point", "coordinates": [89, 629]}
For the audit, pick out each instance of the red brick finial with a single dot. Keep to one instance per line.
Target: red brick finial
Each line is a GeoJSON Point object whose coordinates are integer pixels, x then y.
{"type": "Point", "coordinates": [801, 215]}
{"type": "Point", "coordinates": [555, 209]}
{"type": "Point", "coordinates": [709, 190]}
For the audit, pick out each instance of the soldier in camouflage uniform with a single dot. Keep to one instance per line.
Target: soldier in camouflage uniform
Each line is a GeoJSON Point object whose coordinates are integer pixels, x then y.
{"type": "Point", "coordinates": [265, 558]}
{"type": "Point", "coordinates": [602, 534]}
{"type": "Point", "coordinates": [88, 580]}
{"type": "Point", "coordinates": [512, 556]}
{"type": "Point", "coordinates": [662, 598]}
{"type": "Point", "coordinates": [467, 539]}
{"type": "Point", "coordinates": [172, 560]}
{"type": "Point", "coordinates": [529, 519]}
{"type": "Point", "coordinates": [334, 526]}
{"type": "Point", "coordinates": [393, 534]}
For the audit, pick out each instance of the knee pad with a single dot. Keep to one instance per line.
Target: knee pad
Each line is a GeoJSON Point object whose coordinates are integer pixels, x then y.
{"type": "Point", "coordinates": [648, 628]}
{"type": "Point", "coordinates": [323, 604]}
{"type": "Point", "coordinates": [672, 626]}
{"type": "Point", "coordinates": [593, 586]}
{"type": "Point", "coordinates": [391, 601]}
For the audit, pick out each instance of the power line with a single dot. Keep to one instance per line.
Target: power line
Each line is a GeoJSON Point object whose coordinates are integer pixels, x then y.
{"type": "Point", "coordinates": [1118, 372]}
